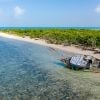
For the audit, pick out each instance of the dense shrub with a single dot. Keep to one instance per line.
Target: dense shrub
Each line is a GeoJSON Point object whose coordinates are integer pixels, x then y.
{"type": "Point", "coordinates": [60, 36]}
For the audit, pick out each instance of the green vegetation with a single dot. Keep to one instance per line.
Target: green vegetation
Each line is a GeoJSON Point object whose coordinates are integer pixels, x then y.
{"type": "Point", "coordinates": [62, 36]}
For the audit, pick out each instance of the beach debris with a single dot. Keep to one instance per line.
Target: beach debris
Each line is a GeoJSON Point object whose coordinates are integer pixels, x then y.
{"type": "Point", "coordinates": [36, 38]}
{"type": "Point", "coordinates": [51, 48]}
{"type": "Point", "coordinates": [81, 62]}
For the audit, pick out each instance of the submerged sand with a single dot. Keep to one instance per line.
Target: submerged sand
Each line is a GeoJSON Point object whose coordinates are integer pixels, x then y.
{"type": "Point", "coordinates": [71, 49]}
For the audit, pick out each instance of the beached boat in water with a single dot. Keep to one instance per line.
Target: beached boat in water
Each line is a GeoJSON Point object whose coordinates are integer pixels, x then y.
{"type": "Point", "coordinates": [81, 62]}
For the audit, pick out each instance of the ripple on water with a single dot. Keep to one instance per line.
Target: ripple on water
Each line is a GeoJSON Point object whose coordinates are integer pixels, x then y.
{"type": "Point", "coordinates": [26, 72]}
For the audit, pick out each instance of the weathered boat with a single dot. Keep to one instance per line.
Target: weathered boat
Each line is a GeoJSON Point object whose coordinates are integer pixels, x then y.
{"type": "Point", "coordinates": [81, 61]}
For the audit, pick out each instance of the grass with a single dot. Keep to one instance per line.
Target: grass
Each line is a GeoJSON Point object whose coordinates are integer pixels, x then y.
{"type": "Point", "coordinates": [90, 38]}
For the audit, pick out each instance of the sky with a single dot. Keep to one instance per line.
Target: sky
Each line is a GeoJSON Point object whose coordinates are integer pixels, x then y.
{"type": "Point", "coordinates": [49, 13]}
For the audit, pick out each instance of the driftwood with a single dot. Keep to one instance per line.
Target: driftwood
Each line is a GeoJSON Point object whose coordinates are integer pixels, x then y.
{"type": "Point", "coordinates": [97, 52]}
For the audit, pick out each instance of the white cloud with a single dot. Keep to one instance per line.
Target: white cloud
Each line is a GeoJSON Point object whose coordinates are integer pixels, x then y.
{"type": "Point", "coordinates": [18, 11]}
{"type": "Point", "coordinates": [97, 9]}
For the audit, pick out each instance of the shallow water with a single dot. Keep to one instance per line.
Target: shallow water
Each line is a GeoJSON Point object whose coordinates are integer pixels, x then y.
{"type": "Point", "coordinates": [30, 72]}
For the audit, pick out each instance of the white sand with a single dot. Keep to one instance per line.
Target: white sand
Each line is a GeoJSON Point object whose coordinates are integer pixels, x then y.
{"type": "Point", "coordinates": [71, 49]}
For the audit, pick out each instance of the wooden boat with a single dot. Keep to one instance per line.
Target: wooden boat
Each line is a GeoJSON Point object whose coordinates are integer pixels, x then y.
{"type": "Point", "coordinates": [81, 61]}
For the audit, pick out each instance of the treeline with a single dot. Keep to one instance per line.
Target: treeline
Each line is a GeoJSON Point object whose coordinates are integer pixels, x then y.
{"type": "Point", "coordinates": [62, 36]}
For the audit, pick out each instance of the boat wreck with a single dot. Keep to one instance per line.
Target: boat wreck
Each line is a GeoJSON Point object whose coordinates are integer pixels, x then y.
{"type": "Point", "coordinates": [81, 62]}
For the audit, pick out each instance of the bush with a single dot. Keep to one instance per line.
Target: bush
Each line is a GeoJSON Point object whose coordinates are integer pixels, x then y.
{"type": "Point", "coordinates": [60, 36]}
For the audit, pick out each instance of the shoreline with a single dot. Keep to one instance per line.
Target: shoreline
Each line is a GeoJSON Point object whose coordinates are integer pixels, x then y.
{"type": "Point", "coordinates": [71, 49]}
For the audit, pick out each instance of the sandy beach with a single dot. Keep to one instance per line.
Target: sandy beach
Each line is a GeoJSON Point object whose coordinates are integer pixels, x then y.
{"type": "Point", "coordinates": [71, 49]}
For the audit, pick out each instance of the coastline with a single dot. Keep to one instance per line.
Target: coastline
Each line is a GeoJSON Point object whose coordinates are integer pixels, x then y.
{"type": "Point", "coordinates": [71, 49]}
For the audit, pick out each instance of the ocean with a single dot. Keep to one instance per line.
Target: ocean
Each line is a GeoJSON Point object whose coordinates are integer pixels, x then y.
{"type": "Point", "coordinates": [30, 72]}
{"type": "Point", "coordinates": [89, 28]}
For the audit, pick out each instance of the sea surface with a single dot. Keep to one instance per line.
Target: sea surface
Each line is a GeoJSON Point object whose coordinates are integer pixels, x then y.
{"type": "Point", "coordinates": [31, 72]}
{"type": "Point", "coordinates": [88, 28]}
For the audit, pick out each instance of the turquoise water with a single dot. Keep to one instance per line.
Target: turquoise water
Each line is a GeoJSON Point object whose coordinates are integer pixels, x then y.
{"type": "Point", "coordinates": [90, 28]}
{"type": "Point", "coordinates": [30, 72]}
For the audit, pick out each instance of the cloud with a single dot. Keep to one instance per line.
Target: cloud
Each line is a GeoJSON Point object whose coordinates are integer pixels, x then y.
{"type": "Point", "coordinates": [97, 9]}
{"type": "Point", "coordinates": [18, 11]}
